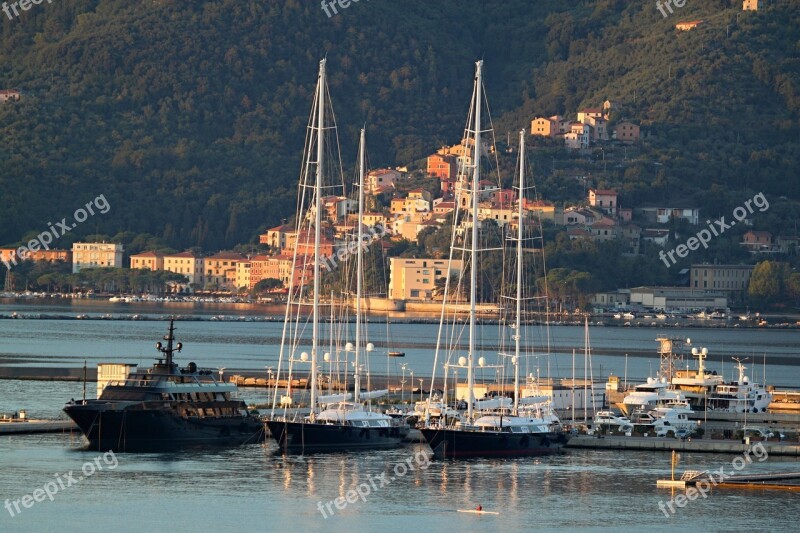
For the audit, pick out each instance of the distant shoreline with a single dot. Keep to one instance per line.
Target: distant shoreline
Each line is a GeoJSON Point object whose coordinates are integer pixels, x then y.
{"type": "Point", "coordinates": [413, 318]}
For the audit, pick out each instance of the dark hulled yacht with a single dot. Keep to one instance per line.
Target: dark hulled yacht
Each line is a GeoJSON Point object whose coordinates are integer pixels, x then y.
{"type": "Point", "coordinates": [496, 436]}
{"type": "Point", "coordinates": [497, 429]}
{"type": "Point", "coordinates": [346, 427]}
{"type": "Point", "coordinates": [335, 423]}
{"type": "Point", "coordinates": [166, 408]}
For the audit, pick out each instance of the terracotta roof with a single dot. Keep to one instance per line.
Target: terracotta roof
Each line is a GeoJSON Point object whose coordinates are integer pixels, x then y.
{"type": "Point", "coordinates": [578, 232]}
{"type": "Point", "coordinates": [184, 254]}
{"type": "Point", "coordinates": [282, 227]}
{"type": "Point", "coordinates": [604, 192]}
{"type": "Point", "coordinates": [604, 223]}
{"type": "Point", "coordinates": [537, 203]}
{"type": "Point", "coordinates": [148, 254]}
{"type": "Point", "coordinates": [225, 255]}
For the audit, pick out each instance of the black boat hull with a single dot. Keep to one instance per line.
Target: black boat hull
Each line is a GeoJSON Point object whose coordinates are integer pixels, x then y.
{"type": "Point", "coordinates": [151, 430]}
{"type": "Point", "coordinates": [460, 444]}
{"type": "Point", "coordinates": [307, 437]}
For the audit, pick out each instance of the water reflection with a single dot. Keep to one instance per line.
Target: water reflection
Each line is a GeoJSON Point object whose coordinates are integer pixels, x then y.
{"type": "Point", "coordinates": [579, 489]}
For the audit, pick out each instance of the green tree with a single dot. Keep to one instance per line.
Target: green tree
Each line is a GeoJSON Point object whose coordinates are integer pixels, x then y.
{"type": "Point", "coordinates": [265, 286]}
{"type": "Point", "coordinates": [770, 284]}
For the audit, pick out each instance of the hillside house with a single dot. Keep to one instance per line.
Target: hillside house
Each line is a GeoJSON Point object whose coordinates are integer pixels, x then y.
{"type": "Point", "coordinates": [378, 181]}
{"type": "Point", "coordinates": [442, 166]}
{"type": "Point", "coordinates": [757, 241]}
{"type": "Point", "coordinates": [626, 132]}
{"type": "Point", "coordinates": [604, 199]}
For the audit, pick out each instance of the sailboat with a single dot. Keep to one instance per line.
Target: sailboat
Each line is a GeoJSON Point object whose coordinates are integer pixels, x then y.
{"type": "Point", "coordinates": [337, 422]}
{"type": "Point", "coordinates": [495, 432]}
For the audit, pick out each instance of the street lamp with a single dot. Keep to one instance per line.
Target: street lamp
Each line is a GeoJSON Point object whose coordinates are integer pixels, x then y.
{"type": "Point", "coordinates": [403, 384]}
{"type": "Point", "coordinates": [412, 385]}
{"type": "Point", "coordinates": [455, 388]}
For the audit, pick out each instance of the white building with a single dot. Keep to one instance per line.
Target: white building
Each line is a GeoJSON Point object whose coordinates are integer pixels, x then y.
{"type": "Point", "coordinates": [682, 299]}
{"type": "Point", "coordinates": [96, 255]}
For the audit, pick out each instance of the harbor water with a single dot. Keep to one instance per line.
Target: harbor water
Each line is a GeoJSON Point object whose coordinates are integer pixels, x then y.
{"type": "Point", "coordinates": [255, 344]}
{"type": "Point", "coordinates": [253, 489]}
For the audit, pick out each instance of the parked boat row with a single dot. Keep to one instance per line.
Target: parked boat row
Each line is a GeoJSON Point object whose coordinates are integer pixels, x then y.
{"type": "Point", "coordinates": [701, 388]}
{"type": "Point", "coordinates": [167, 406]}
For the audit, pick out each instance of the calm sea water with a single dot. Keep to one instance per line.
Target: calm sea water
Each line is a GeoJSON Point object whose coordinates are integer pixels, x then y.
{"type": "Point", "coordinates": [252, 489]}
{"type": "Point", "coordinates": [256, 345]}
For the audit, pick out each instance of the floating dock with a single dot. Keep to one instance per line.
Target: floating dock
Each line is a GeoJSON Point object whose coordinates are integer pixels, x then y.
{"type": "Point", "coordinates": [773, 481]}
{"type": "Point", "coordinates": [30, 427]}
{"type": "Point", "coordinates": [665, 444]}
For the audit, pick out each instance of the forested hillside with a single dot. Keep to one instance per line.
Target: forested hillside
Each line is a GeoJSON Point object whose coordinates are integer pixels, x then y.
{"type": "Point", "coordinates": [189, 116]}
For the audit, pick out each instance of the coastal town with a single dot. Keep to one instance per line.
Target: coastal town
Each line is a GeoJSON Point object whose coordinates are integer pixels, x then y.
{"type": "Point", "coordinates": [469, 264]}
{"type": "Point", "coordinates": [403, 214]}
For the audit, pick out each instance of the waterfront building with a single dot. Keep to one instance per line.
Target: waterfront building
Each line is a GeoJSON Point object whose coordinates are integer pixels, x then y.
{"type": "Point", "coordinates": [415, 279]}
{"type": "Point", "coordinates": [731, 280]}
{"type": "Point", "coordinates": [187, 263]}
{"type": "Point", "coordinates": [96, 255]}
{"type": "Point", "coordinates": [682, 299]}
{"type": "Point", "coordinates": [220, 270]}
{"type": "Point", "coordinates": [148, 261]}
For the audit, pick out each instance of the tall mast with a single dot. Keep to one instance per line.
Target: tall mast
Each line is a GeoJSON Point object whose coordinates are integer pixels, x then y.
{"type": "Point", "coordinates": [317, 229]}
{"type": "Point", "coordinates": [473, 289]}
{"type": "Point", "coordinates": [359, 263]}
{"type": "Point", "coordinates": [518, 331]}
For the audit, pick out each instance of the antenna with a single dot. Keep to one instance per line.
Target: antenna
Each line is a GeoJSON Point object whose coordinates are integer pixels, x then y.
{"type": "Point", "coordinates": [168, 350]}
